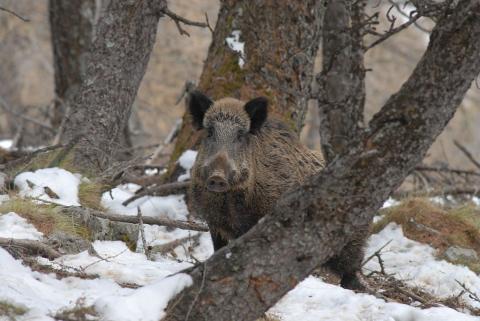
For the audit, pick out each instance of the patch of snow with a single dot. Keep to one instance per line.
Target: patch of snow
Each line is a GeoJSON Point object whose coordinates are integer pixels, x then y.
{"type": "Point", "coordinates": [42, 294]}
{"type": "Point", "coordinates": [415, 264]}
{"type": "Point", "coordinates": [61, 182]}
{"type": "Point", "coordinates": [237, 46]}
{"type": "Point", "coordinates": [4, 198]}
{"type": "Point", "coordinates": [390, 202]}
{"type": "Point", "coordinates": [14, 226]}
{"type": "Point", "coordinates": [172, 206]}
{"type": "Point", "coordinates": [476, 200]}
{"type": "Point", "coordinates": [186, 161]}
{"type": "Point", "coordinates": [146, 304]}
{"type": "Point", "coordinates": [120, 264]}
{"type": "Point", "coordinates": [314, 300]}
{"type": "Point", "coordinates": [6, 144]}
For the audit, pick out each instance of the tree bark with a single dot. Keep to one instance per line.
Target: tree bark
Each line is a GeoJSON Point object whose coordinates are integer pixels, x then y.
{"type": "Point", "coordinates": [341, 82]}
{"type": "Point", "coordinates": [71, 25]}
{"type": "Point", "coordinates": [314, 221]}
{"type": "Point", "coordinates": [281, 40]}
{"type": "Point", "coordinates": [115, 65]}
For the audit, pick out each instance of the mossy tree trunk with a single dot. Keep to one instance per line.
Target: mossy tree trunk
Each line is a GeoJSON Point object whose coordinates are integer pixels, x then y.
{"type": "Point", "coordinates": [115, 66]}
{"type": "Point", "coordinates": [280, 44]}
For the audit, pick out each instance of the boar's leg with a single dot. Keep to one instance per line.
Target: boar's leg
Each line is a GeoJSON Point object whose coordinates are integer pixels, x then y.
{"type": "Point", "coordinates": [348, 264]}
{"type": "Point", "coordinates": [218, 241]}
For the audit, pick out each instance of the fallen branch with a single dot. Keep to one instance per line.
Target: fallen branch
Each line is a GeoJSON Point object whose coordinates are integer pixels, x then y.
{"type": "Point", "coordinates": [87, 213]}
{"type": "Point", "coordinates": [34, 247]}
{"type": "Point", "coordinates": [474, 296]}
{"type": "Point", "coordinates": [170, 246]}
{"type": "Point", "coordinates": [161, 190]}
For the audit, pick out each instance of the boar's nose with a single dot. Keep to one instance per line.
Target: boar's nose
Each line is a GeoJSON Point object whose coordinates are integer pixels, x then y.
{"type": "Point", "coordinates": [217, 183]}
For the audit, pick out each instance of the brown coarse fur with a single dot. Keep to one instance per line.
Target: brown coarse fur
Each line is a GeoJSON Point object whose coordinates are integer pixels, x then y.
{"type": "Point", "coordinates": [258, 170]}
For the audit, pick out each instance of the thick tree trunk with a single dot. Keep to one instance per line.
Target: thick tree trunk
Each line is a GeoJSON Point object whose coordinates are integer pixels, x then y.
{"type": "Point", "coordinates": [280, 39]}
{"type": "Point", "coordinates": [341, 82]}
{"type": "Point", "coordinates": [71, 24]}
{"type": "Point", "coordinates": [115, 65]}
{"type": "Point", "coordinates": [314, 221]}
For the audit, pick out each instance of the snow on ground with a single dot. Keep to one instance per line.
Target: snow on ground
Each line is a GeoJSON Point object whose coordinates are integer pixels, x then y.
{"type": "Point", "coordinates": [172, 206]}
{"type": "Point", "coordinates": [186, 161]}
{"type": "Point", "coordinates": [14, 226]}
{"type": "Point", "coordinates": [44, 295]}
{"type": "Point", "coordinates": [6, 143]}
{"type": "Point", "coordinates": [146, 303]}
{"type": "Point", "coordinates": [314, 300]}
{"type": "Point", "coordinates": [120, 265]}
{"type": "Point", "coordinates": [415, 264]}
{"type": "Point", "coordinates": [63, 183]}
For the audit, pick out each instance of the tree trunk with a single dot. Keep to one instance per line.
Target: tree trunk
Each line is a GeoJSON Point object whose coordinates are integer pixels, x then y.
{"type": "Point", "coordinates": [115, 65]}
{"type": "Point", "coordinates": [314, 221]}
{"type": "Point", "coordinates": [71, 25]}
{"type": "Point", "coordinates": [341, 95]}
{"type": "Point", "coordinates": [281, 40]}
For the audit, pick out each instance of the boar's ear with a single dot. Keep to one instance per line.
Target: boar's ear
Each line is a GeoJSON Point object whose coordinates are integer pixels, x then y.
{"type": "Point", "coordinates": [257, 111]}
{"type": "Point", "coordinates": [198, 105]}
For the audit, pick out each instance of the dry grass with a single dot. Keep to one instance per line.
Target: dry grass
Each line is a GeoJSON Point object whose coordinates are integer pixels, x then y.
{"type": "Point", "coordinates": [441, 228]}
{"type": "Point", "coordinates": [11, 311]}
{"type": "Point", "coordinates": [46, 218]}
{"type": "Point", "coordinates": [90, 195]}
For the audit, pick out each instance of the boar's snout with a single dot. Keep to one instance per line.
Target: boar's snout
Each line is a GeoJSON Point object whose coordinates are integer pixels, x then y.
{"type": "Point", "coordinates": [217, 183]}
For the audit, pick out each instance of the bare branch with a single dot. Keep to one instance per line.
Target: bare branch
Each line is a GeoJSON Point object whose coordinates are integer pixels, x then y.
{"type": "Point", "coordinates": [467, 153]}
{"type": "Point", "coordinates": [8, 109]}
{"type": "Point", "coordinates": [394, 31]}
{"type": "Point", "coordinates": [161, 190]}
{"type": "Point", "coordinates": [15, 14]}
{"type": "Point", "coordinates": [179, 19]}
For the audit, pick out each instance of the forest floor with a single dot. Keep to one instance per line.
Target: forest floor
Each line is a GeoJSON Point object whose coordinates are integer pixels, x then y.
{"type": "Point", "coordinates": [421, 261]}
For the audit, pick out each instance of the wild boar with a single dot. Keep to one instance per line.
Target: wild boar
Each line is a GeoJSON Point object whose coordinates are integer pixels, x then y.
{"type": "Point", "coordinates": [245, 161]}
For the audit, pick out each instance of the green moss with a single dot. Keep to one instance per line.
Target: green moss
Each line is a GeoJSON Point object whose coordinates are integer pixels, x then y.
{"type": "Point", "coordinates": [10, 310]}
{"type": "Point", "coordinates": [47, 218]}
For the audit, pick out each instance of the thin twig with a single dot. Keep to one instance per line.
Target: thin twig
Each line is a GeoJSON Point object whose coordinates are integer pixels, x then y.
{"type": "Point", "coordinates": [142, 234]}
{"type": "Point", "coordinates": [467, 153]}
{"type": "Point", "coordinates": [426, 168]}
{"type": "Point", "coordinates": [179, 19]}
{"type": "Point", "coordinates": [376, 252]}
{"type": "Point", "coordinates": [474, 296]}
{"type": "Point", "coordinates": [8, 109]}
{"type": "Point", "coordinates": [161, 190]}
{"type": "Point", "coordinates": [15, 14]}
{"type": "Point", "coordinates": [393, 31]}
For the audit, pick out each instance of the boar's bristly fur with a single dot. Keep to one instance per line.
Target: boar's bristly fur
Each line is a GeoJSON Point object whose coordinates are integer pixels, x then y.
{"type": "Point", "coordinates": [246, 161]}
